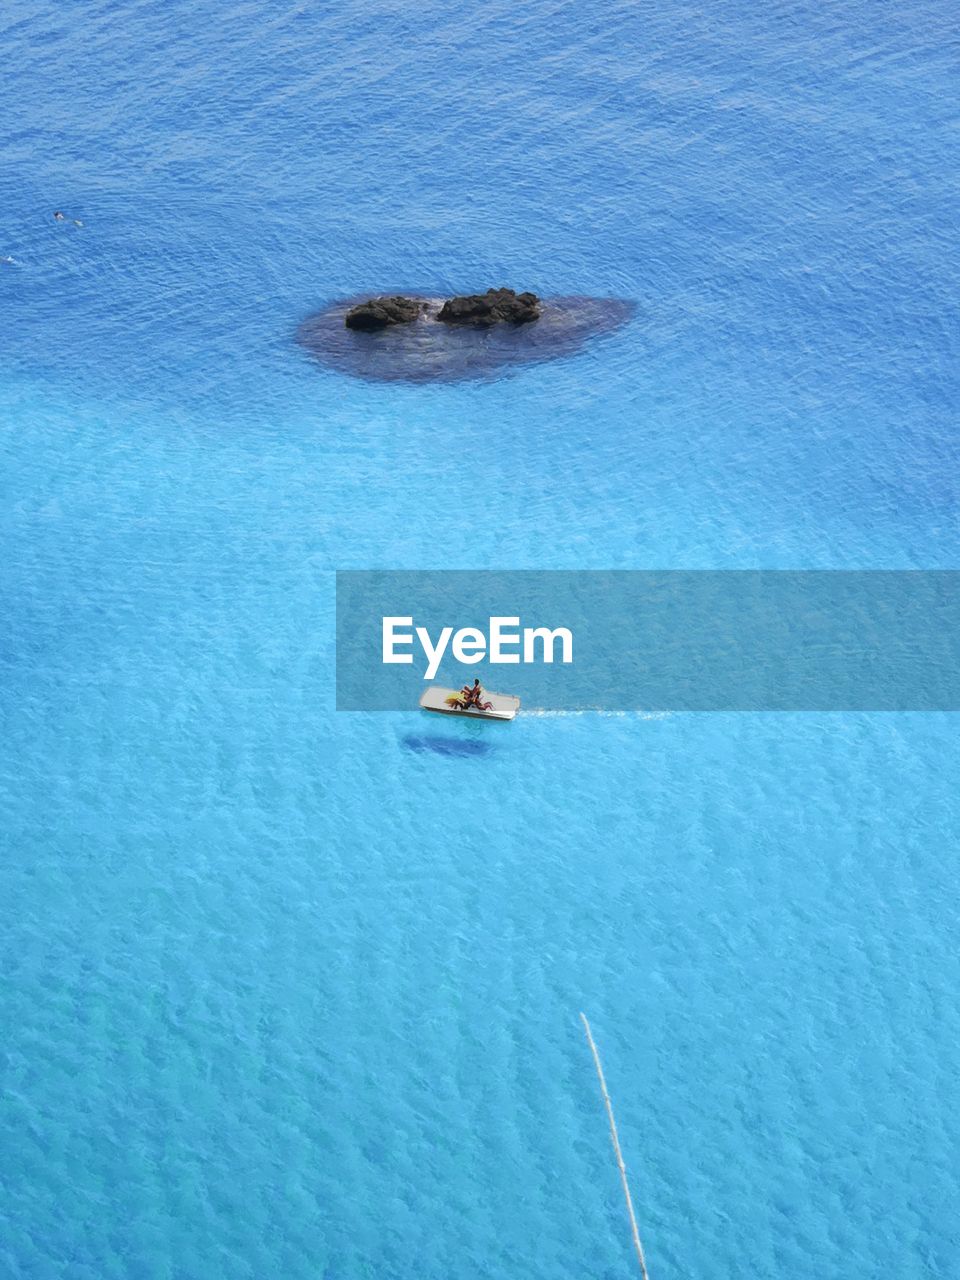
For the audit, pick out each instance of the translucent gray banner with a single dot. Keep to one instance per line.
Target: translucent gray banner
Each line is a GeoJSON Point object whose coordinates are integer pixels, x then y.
{"type": "Point", "coordinates": [654, 641]}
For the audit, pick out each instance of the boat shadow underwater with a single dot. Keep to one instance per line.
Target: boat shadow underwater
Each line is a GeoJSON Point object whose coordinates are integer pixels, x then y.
{"type": "Point", "coordinates": [438, 745]}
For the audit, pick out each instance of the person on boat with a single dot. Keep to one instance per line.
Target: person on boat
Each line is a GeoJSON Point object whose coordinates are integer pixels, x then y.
{"type": "Point", "coordinates": [475, 697]}
{"type": "Point", "coordinates": [460, 700]}
{"type": "Point", "coordinates": [469, 696]}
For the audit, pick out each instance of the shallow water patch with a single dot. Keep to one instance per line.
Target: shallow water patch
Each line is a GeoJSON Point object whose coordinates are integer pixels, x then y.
{"type": "Point", "coordinates": [427, 350]}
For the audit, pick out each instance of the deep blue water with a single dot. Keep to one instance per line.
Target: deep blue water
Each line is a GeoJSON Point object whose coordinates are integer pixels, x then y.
{"type": "Point", "coordinates": [271, 1006]}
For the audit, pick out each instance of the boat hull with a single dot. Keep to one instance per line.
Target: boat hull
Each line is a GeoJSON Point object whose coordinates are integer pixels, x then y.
{"type": "Point", "coordinates": [505, 705]}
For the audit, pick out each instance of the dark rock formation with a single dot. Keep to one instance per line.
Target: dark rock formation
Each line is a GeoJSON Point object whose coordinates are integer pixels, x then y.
{"type": "Point", "coordinates": [378, 313]}
{"type": "Point", "coordinates": [420, 349]}
{"type": "Point", "coordinates": [496, 306]}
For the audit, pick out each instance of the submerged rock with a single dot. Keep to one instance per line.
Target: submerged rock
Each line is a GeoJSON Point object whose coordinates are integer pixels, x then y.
{"type": "Point", "coordinates": [496, 306]}
{"type": "Point", "coordinates": [424, 349]}
{"type": "Point", "coordinates": [379, 313]}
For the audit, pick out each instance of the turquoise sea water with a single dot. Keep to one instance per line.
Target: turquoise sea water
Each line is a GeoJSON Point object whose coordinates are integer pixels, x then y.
{"type": "Point", "coordinates": [294, 994]}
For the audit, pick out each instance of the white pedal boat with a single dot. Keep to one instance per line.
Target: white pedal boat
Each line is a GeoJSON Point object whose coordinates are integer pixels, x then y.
{"type": "Point", "coordinates": [505, 705]}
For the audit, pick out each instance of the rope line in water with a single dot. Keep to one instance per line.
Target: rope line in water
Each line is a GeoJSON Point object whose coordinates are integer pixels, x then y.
{"type": "Point", "coordinates": [616, 1147]}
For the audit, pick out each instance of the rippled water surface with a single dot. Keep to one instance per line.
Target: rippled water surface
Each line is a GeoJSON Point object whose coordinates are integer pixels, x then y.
{"type": "Point", "coordinates": [294, 994]}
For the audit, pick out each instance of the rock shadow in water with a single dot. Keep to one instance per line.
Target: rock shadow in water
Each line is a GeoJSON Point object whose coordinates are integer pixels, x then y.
{"type": "Point", "coordinates": [427, 350]}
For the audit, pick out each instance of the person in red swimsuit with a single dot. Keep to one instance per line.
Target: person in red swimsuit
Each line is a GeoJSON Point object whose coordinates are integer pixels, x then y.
{"type": "Point", "coordinates": [469, 696]}
{"type": "Point", "coordinates": [475, 696]}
